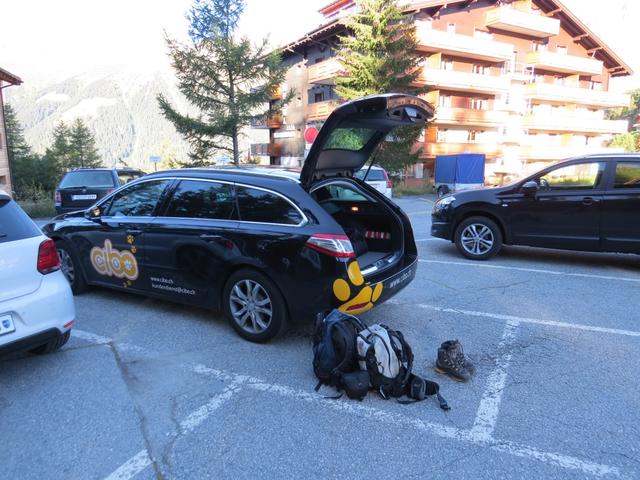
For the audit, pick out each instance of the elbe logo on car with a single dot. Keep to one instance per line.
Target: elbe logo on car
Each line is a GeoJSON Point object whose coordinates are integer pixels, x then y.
{"type": "Point", "coordinates": [111, 262]}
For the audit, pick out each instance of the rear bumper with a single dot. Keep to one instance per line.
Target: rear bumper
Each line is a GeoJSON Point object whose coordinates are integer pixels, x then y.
{"type": "Point", "coordinates": [29, 343]}
{"type": "Point", "coordinates": [39, 313]}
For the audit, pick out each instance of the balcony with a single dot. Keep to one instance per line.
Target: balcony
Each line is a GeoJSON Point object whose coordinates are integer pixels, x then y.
{"type": "Point", "coordinates": [468, 116]}
{"type": "Point", "coordinates": [464, 81]}
{"type": "Point", "coordinates": [525, 23]}
{"type": "Point", "coordinates": [550, 152]}
{"type": "Point", "coordinates": [438, 41]}
{"type": "Point", "coordinates": [445, 148]}
{"type": "Point", "coordinates": [325, 72]}
{"type": "Point", "coordinates": [583, 96]}
{"type": "Point", "coordinates": [572, 123]}
{"type": "Point", "coordinates": [274, 121]}
{"type": "Point", "coordinates": [320, 110]}
{"type": "Point", "coordinates": [563, 63]}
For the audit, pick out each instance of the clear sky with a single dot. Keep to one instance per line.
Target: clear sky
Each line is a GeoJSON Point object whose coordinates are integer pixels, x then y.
{"type": "Point", "coordinates": [46, 39]}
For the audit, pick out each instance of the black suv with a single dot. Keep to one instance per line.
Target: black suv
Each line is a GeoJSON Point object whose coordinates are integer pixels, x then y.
{"type": "Point", "coordinates": [265, 246]}
{"type": "Point", "coordinates": [589, 203]}
{"type": "Point", "coordinates": [81, 188]}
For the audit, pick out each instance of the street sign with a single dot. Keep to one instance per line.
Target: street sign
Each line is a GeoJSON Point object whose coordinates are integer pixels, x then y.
{"type": "Point", "coordinates": [154, 159]}
{"type": "Point", "coordinates": [310, 134]}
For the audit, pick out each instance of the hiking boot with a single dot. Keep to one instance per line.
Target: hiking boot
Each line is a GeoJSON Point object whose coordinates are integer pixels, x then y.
{"type": "Point", "coordinates": [449, 362]}
{"type": "Point", "coordinates": [459, 353]}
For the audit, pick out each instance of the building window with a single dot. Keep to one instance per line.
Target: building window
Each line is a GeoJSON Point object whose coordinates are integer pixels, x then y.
{"type": "Point", "coordinates": [595, 85]}
{"type": "Point", "coordinates": [446, 64]}
{"type": "Point", "coordinates": [444, 101]}
{"type": "Point", "coordinates": [474, 135]}
{"type": "Point", "coordinates": [442, 134]}
{"type": "Point", "coordinates": [3, 180]}
{"type": "Point", "coordinates": [318, 97]}
{"type": "Point", "coordinates": [451, 28]}
{"type": "Point", "coordinates": [479, 104]}
{"type": "Point", "coordinates": [481, 69]}
{"type": "Point", "coordinates": [561, 49]}
{"type": "Point", "coordinates": [482, 34]}
{"type": "Point", "coordinates": [539, 46]}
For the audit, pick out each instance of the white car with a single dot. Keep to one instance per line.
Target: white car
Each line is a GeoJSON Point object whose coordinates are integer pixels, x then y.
{"type": "Point", "coordinates": [36, 303]}
{"type": "Point", "coordinates": [377, 178]}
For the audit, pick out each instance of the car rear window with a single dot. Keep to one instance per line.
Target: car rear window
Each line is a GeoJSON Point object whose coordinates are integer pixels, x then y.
{"type": "Point", "coordinates": [14, 223]}
{"type": "Point", "coordinates": [126, 176]}
{"type": "Point", "coordinates": [199, 199]}
{"type": "Point", "coordinates": [88, 178]}
{"type": "Point", "coordinates": [265, 207]}
{"type": "Point", "coordinates": [348, 138]}
{"type": "Point", "coordinates": [373, 176]}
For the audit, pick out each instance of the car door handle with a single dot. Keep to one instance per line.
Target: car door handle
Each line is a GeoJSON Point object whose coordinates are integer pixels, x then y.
{"type": "Point", "coordinates": [208, 237]}
{"type": "Point", "coordinates": [589, 200]}
{"type": "Point", "coordinates": [133, 231]}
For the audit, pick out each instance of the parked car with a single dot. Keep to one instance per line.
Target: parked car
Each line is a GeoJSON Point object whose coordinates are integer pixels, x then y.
{"type": "Point", "coordinates": [82, 187]}
{"type": "Point", "coordinates": [265, 246]}
{"type": "Point", "coordinates": [378, 178]}
{"type": "Point", "coordinates": [589, 203]}
{"type": "Point", "coordinates": [36, 303]}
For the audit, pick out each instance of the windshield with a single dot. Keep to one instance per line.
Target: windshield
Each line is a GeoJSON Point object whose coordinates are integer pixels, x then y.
{"type": "Point", "coordinates": [88, 178]}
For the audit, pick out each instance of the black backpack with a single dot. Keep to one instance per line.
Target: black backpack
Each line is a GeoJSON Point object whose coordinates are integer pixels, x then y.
{"type": "Point", "coordinates": [335, 355]}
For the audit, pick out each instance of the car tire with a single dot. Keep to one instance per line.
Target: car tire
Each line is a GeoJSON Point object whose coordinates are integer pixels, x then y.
{"type": "Point", "coordinates": [478, 238]}
{"type": "Point", "coordinates": [70, 266]}
{"type": "Point", "coordinates": [53, 345]}
{"type": "Point", "coordinates": [442, 191]}
{"type": "Point", "coordinates": [247, 298]}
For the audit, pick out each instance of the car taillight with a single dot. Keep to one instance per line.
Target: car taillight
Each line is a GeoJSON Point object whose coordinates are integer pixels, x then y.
{"type": "Point", "coordinates": [48, 260]}
{"type": "Point", "coordinates": [57, 198]}
{"type": "Point", "coordinates": [386, 176]}
{"type": "Point", "coordinates": [334, 245]}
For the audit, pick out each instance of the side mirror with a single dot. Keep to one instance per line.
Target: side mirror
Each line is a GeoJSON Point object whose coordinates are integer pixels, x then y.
{"type": "Point", "coordinates": [530, 188]}
{"type": "Point", "coordinates": [94, 214]}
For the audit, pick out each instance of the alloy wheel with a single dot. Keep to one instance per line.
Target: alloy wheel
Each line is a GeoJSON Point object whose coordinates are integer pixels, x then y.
{"type": "Point", "coordinates": [477, 239]}
{"type": "Point", "coordinates": [250, 306]}
{"type": "Point", "coordinates": [66, 265]}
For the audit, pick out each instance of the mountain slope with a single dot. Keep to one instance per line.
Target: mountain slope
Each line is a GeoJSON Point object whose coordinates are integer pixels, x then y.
{"type": "Point", "coordinates": [120, 108]}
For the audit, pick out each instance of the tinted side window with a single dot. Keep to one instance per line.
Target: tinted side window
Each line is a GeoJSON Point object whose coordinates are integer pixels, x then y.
{"type": "Point", "coordinates": [196, 199]}
{"type": "Point", "coordinates": [14, 223]}
{"type": "Point", "coordinates": [627, 175]}
{"type": "Point", "coordinates": [138, 200]}
{"type": "Point", "coordinates": [260, 206]}
{"type": "Point", "coordinates": [573, 177]}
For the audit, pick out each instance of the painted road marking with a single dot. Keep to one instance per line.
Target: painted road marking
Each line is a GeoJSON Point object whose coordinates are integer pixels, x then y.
{"type": "Point", "coordinates": [513, 318]}
{"type": "Point", "coordinates": [428, 240]}
{"type": "Point", "coordinates": [487, 413]}
{"type": "Point", "coordinates": [478, 437]}
{"type": "Point", "coordinates": [533, 270]}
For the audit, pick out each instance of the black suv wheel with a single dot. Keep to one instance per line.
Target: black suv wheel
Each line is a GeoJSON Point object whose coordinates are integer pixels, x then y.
{"type": "Point", "coordinates": [478, 238]}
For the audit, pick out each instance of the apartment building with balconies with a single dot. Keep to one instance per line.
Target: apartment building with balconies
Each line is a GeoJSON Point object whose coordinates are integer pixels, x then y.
{"type": "Point", "coordinates": [522, 81]}
{"type": "Point", "coordinates": [6, 80]}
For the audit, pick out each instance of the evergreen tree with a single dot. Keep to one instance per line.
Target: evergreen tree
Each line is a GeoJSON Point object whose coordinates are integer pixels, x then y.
{"type": "Point", "coordinates": [380, 55]}
{"type": "Point", "coordinates": [228, 80]}
{"type": "Point", "coordinates": [33, 175]}
{"type": "Point", "coordinates": [82, 147]}
{"type": "Point", "coordinates": [59, 151]}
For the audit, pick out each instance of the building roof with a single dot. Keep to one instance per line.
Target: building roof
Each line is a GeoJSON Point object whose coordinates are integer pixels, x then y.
{"type": "Point", "coordinates": [581, 34]}
{"type": "Point", "coordinates": [9, 77]}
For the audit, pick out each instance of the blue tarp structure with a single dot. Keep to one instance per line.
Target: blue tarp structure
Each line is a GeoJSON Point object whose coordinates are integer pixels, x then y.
{"type": "Point", "coordinates": [463, 168]}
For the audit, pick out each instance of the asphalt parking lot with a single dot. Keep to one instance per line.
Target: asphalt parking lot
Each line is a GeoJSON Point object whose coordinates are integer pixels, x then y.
{"type": "Point", "coordinates": [150, 389]}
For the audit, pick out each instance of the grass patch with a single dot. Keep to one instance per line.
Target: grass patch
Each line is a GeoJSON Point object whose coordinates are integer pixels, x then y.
{"type": "Point", "coordinates": [402, 191]}
{"type": "Point", "coordinates": [40, 209]}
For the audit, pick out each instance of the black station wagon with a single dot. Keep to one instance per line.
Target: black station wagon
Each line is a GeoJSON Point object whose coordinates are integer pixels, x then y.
{"type": "Point", "coordinates": [266, 246]}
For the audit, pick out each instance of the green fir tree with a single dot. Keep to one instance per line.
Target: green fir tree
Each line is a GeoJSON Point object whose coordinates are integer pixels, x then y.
{"type": "Point", "coordinates": [228, 80]}
{"type": "Point", "coordinates": [380, 55]}
{"type": "Point", "coordinates": [82, 147]}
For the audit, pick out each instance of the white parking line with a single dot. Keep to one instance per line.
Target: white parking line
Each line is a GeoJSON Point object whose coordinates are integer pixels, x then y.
{"type": "Point", "coordinates": [532, 270]}
{"type": "Point", "coordinates": [142, 460]}
{"type": "Point", "coordinates": [513, 318]}
{"type": "Point", "coordinates": [487, 414]}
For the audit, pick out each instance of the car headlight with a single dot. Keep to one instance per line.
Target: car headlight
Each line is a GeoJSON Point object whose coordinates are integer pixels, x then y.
{"type": "Point", "coordinates": [444, 202]}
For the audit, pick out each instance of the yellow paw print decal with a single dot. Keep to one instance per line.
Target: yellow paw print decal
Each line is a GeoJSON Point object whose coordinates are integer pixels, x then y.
{"type": "Point", "coordinates": [363, 300]}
